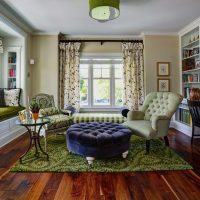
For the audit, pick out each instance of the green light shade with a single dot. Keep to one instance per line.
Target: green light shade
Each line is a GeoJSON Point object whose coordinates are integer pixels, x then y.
{"type": "Point", "coordinates": [104, 10]}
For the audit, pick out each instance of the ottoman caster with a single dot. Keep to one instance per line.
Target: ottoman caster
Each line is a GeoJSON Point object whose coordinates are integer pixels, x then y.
{"type": "Point", "coordinates": [124, 155]}
{"type": "Point", "coordinates": [90, 160]}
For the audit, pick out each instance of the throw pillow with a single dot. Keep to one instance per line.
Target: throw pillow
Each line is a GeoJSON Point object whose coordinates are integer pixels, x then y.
{"type": "Point", "coordinates": [2, 100]}
{"type": "Point", "coordinates": [12, 97]}
{"type": "Point", "coordinates": [49, 111]}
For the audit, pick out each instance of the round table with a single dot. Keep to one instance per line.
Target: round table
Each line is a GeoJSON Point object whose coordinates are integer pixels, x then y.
{"type": "Point", "coordinates": [34, 134]}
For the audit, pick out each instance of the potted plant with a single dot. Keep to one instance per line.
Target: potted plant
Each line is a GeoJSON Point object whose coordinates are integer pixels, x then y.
{"type": "Point", "coordinates": [35, 108]}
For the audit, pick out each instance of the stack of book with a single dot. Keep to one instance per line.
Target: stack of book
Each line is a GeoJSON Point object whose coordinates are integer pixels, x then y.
{"type": "Point", "coordinates": [185, 117]}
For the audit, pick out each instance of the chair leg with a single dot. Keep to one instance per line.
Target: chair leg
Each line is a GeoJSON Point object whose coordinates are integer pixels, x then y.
{"type": "Point", "coordinates": [166, 140]}
{"type": "Point", "coordinates": [192, 134]}
{"type": "Point", "coordinates": [147, 146]}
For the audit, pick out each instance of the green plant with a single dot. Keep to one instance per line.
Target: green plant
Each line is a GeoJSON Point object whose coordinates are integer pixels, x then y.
{"type": "Point", "coordinates": [34, 106]}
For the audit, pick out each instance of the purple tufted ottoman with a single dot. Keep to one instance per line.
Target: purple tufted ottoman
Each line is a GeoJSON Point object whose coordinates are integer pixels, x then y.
{"type": "Point", "coordinates": [98, 140]}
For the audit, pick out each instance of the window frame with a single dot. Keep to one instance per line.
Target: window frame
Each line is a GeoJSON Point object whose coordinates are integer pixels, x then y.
{"type": "Point", "coordinates": [91, 62]}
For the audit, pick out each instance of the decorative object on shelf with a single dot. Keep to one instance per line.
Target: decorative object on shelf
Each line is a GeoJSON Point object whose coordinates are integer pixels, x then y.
{"type": "Point", "coordinates": [35, 108]}
{"type": "Point", "coordinates": [104, 10]}
{"type": "Point", "coordinates": [1, 45]}
{"type": "Point", "coordinates": [163, 68]}
{"type": "Point", "coordinates": [163, 85]}
{"type": "Point", "coordinates": [197, 63]}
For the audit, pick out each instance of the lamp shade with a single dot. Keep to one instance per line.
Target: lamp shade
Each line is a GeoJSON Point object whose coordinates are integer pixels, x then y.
{"type": "Point", "coordinates": [104, 10]}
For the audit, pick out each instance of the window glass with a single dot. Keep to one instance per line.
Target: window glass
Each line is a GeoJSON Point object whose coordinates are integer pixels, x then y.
{"type": "Point", "coordinates": [84, 70]}
{"type": "Point", "coordinates": [84, 91]}
{"type": "Point", "coordinates": [101, 92]}
{"type": "Point", "coordinates": [118, 92]}
{"type": "Point", "coordinates": [118, 71]}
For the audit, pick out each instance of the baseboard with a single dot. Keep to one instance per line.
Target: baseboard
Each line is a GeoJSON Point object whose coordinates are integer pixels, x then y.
{"type": "Point", "coordinates": [10, 131]}
{"type": "Point", "coordinates": [187, 130]}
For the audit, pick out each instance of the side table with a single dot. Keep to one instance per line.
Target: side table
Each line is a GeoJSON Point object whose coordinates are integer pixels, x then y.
{"type": "Point", "coordinates": [34, 134]}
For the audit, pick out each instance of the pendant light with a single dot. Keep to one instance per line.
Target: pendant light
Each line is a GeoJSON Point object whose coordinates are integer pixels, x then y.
{"type": "Point", "coordinates": [104, 10]}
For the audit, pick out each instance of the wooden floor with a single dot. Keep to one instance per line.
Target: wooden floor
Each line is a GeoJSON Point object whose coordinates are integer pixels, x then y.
{"type": "Point", "coordinates": [168, 185]}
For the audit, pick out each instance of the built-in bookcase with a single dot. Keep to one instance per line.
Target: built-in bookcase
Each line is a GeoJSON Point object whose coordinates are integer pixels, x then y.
{"type": "Point", "coordinates": [190, 71]}
{"type": "Point", "coordinates": [11, 67]}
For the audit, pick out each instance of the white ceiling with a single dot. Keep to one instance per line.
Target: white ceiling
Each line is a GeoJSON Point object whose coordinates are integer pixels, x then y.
{"type": "Point", "coordinates": [136, 16]}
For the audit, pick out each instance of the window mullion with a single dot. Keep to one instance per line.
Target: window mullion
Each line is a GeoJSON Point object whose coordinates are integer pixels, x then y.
{"type": "Point", "coordinates": [112, 86]}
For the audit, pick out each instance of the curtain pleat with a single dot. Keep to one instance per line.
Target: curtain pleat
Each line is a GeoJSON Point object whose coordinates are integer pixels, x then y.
{"type": "Point", "coordinates": [133, 70]}
{"type": "Point", "coordinates": [1, 45]}
{"type": "Point", "coordinates": [69, 94]}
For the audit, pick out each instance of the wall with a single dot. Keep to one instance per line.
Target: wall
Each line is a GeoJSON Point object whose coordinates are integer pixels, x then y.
{"type": "Point", "coordinates": [44, 73]}
{"type": "Point", "coordinates": [161, 49]}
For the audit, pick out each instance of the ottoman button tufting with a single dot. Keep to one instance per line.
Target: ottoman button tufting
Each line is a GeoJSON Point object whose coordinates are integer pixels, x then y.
{"type": "Point", "coordinates": [98, 140]}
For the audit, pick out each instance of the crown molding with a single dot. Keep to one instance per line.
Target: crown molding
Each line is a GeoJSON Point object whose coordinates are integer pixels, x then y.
{"type": "Point", "coordinates": [190, 26]}
{"type": "Point", "coordinates": [159, 33]}
{"type": "Point", "coordinates": [13, 18]}
{"type": "Point", "coordinates": [45, 33]}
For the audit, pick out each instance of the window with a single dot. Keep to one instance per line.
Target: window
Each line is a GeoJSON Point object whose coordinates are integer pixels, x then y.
{"type": "Point", "coordinates": [101, 83]}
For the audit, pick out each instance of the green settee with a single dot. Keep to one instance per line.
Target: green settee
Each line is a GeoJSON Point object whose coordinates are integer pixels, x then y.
{"type": "Point", "coordinates": [9, 111]}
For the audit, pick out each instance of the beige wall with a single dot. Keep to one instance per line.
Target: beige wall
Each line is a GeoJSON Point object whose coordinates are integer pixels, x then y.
{"type": "Point", "coordinates": [107, 47]}
{"type": "Point", "coordinates": [161, 49]}
{"type": "Point", "coordinates": [44, 73]}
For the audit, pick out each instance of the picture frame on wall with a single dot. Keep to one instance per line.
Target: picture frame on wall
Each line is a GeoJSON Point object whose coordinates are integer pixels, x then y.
{"type": "Point", "coordinates": [163, 68]}
{"type": "Point", "coordinates": [163, 85]}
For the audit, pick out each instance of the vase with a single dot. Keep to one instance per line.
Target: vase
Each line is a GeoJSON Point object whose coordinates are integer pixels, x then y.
{"type": "Point", "coordinates": [35, 116]}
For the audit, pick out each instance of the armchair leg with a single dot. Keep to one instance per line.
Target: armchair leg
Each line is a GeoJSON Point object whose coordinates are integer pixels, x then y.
{"type": "Point", "coordinates": [166, 140]}
{"type": "Point", "coordinates": [147, 146]}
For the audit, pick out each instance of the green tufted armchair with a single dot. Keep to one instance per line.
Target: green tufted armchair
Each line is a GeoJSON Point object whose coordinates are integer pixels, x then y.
{"type": "Point", "coordinates": [153, 118]}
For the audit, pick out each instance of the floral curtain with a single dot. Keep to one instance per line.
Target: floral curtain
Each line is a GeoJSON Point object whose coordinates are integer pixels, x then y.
{"type": "Point", "coordinates": [69, 75]}
{"type": "Point", "coordinates": [1, 45]}
{"type": "Point", "coordinates": [133, 69]}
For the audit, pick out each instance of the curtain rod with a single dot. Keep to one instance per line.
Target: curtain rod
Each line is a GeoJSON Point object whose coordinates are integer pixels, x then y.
{"type": "Point", "coordinates": [101, 41]}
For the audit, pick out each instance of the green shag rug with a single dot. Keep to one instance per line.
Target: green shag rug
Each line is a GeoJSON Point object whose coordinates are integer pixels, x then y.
{"type": "Point", "coordinates": [60, 160]}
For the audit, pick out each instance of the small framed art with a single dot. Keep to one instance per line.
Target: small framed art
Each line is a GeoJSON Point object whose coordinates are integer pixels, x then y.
{"type": "Point", "coordinates": [163, 68]}
{"type": "Point", "coordinates": [163, 85]}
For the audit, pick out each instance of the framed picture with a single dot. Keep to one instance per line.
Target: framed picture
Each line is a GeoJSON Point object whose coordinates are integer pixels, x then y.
{"type": "Point", "coordinates": [163, 68]}
{"type": "Point", "coordinates": [163, 85]}
{"type": "Point", "coordinates": [197, 65]}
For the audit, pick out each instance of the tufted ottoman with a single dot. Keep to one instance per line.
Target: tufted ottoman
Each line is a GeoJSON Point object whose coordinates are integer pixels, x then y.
{"type": "Point", "coordinates": [98, 140]}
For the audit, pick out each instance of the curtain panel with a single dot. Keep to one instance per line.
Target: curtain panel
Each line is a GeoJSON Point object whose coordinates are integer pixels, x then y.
{"type": "Point", "coordinates": [133, 70]}
{"type": "Point", "coordinates": [69, 74]}
{"type": "Point", "coordinates": [1, 45]}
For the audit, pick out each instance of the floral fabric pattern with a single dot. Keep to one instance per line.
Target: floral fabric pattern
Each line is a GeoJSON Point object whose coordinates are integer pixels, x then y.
{"type": "Point", "coordinates": [1, 46]}
{"type": "Point", "coordinates": [11, 97]}
{"type": "Point", "coordinates": [49, 111]}
{"type": "Point", "coordinates": [69, 75]}
{"type": "Point", "coordinates": [133, 70]}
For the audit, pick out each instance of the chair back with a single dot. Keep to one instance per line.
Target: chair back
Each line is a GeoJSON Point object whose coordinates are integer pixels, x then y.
{"type": "Point", "coordinates": [161, 103]}
{"type": "Point", "coordinates": [44, 100]}
{"type": "Point", "coordinates": [194, 107]}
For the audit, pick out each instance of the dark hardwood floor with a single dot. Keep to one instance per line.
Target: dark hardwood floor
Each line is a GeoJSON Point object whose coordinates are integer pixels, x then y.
{"type": "Point", "coordinates": [168, 185]}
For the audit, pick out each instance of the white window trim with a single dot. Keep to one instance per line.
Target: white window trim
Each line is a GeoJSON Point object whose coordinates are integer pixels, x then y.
{"type": "Point", "coordinates": [93, 59]}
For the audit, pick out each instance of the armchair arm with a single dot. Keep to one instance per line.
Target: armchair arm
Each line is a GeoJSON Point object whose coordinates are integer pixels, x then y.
{"type": "Point", "coordinates": [66, 112]}
{"type": "Point", "coordinates": [135, 115]}
{"type": "Point", "coordinates": [160, 123]}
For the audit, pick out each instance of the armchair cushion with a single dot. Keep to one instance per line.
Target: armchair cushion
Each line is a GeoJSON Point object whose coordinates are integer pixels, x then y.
{"type": "Point", "coordinates": [135, 115]}
{"type": "Point", "coordinates": [141, 128]}
{"type": "Point", "coordinates": [49, 111]}
{"type": "Point", "coordinates": [155, 120]}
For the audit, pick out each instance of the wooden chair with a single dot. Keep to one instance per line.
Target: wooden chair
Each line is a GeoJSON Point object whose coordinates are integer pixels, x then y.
{"type": "Point", "coordinates": [194, 107]}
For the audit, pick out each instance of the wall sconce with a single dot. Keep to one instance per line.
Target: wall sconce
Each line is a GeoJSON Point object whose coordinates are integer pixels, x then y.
{"type": "Point", "coordinates": [32, 61]}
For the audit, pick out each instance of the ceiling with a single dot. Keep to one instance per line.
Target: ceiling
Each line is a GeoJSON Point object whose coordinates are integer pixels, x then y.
{"type": "Point", "coordinates": [136, 16]}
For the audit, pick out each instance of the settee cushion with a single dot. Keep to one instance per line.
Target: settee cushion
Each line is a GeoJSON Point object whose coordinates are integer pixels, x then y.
{"type": "Point", "coordinates": [10, 111]}
{"type": "Point", "coordinates": [12, 97]}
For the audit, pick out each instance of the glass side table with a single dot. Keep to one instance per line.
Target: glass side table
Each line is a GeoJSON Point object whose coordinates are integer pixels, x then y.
{"type": "Point", "coordinates": [34, 134]}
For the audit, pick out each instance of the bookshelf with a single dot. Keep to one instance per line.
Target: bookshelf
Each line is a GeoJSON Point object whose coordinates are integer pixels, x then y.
{"type": "Point", "coordinates": [12, 67]}
{"type": "Point", "coordinates": [190, 71]}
